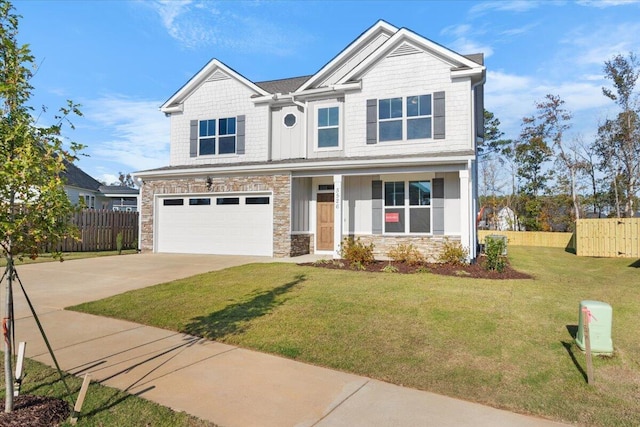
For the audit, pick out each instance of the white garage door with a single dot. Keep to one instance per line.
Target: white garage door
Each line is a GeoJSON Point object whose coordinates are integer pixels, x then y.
{"type": "Point", "coordinates": [229, 224]}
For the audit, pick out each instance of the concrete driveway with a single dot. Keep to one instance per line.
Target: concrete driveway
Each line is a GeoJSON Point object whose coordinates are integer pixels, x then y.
{"type": "Point", "coordinates": [228, 385]}
{"type": "Point", "coordinates": [55, 285]}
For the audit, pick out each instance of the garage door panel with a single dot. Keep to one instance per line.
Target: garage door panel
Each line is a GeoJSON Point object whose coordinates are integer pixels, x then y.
{"type": "Point", "coordinates": [216, 229]}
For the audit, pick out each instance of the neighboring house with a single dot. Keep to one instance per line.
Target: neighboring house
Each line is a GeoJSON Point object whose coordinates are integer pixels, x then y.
{"type": "Point", "coordinates": [82, 189]}
{"type": "Point", "coordinates": [379, 144]}
{"type": "Point", "coordinates": [506, 220]}
{"type": "Point", "coordinates": [121, 198]}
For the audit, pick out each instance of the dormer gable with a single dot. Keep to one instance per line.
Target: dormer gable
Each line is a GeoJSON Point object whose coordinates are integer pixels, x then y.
{"type": "Point", "coordinates": [405, 42]}
{"type": "Point", "coordinates": [215, 70]}
{"type": "Point", "coordinates": [376, 35]}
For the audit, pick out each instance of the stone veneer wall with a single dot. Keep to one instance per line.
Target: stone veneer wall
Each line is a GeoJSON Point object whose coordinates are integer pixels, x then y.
{"type": "Point", "coordinates": [279, 185]}
{"type": "Point", "coordinates": [301, 244]}
{"type": "Point", "coordinates": [430, 246]}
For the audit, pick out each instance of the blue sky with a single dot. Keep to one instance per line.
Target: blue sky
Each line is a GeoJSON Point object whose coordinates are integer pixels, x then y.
{"type": "Point", "coordinates": [122, 59]}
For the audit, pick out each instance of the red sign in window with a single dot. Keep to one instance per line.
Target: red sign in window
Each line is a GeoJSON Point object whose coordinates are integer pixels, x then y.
{"type": "Point", "coordinates": [392, 217]}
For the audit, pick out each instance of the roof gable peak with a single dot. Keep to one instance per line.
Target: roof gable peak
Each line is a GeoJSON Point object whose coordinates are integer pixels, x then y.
{"type": "Point", "coordinates": [214, 70]}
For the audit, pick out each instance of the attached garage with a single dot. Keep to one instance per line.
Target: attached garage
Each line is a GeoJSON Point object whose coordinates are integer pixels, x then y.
{"type": "Point", "coordinates": [224, 224]}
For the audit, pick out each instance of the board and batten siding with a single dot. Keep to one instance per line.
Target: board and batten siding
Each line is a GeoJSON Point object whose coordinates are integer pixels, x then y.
{"type": "Point", "coordinates": [287, 142]}
{"type": "Point", "coordinates": [301, 194]}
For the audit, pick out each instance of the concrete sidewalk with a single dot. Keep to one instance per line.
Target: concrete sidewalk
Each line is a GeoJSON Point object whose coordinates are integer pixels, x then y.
{"type": "Point", "coordinates": [224, 384]}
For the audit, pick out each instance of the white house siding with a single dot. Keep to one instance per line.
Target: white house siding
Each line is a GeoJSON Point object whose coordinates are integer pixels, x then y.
{"type": "Point", "coordinates": [357, 204]}
{"type": "Point", "coordinates": [287, 143]}
{"type": "Point", "coordinates": [409, 75]}
{"type": "Point", "coordinates": [352, 62]}
{"type": "Point", "coordinates": [214, 100]}
{"type": "Point", "coordinates": [451, 203]}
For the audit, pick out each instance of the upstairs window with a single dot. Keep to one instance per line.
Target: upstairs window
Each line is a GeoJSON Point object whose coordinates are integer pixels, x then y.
{"type": "Point", "coordinates": [217, 136]}
{"type": "Point", "coordinates": [405, 118]}
{"type": "Point", "coordinates": [419, 117]}
{"type": "Point", "coordinates": [328, 127]}
{"type": "Point", "coordinates": [390, 119]}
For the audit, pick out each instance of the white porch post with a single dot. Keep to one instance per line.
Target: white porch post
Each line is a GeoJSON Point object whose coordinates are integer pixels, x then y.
{"type": "Point", "coordinates": [465, 211]}
{"type": "Point", "coordinates": [337, 215]}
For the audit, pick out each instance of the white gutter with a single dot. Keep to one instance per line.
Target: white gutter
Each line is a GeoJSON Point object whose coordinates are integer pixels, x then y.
{"type": "Point", "coordinates": [322, 90]}
{"type": "Point", "coordinates": [304, 166]}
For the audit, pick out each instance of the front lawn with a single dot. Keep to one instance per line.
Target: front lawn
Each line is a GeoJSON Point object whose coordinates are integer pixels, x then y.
{"type": "Point", "coordinates": [505, 343]}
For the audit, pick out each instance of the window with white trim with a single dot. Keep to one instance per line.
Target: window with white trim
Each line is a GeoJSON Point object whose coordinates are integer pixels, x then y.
{"type": "Point", "coordinates": [87, 201]}
{"type": "Point", "coordinates": [407, 207]}
{"type": "Point", "coordinates": [328, 127]}
{"type": "Point", "coordinates": [217, 136]}
{"type": "Point", "coordinates": [405, 118]}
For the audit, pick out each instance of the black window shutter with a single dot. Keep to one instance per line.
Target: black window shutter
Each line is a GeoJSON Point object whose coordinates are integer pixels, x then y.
{"type": "Point", "coordinates": [438, 115]}
{"type": "Point", "coordinates": [240, 125]}
{"type": "Point", "coordinates": [372, 121]}
{"type": "Point", "coordinates": [376, 207]}
{"type": "Point", "coordinates": [193, 138]}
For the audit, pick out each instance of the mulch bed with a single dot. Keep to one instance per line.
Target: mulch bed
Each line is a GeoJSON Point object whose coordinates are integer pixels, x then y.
{"type": "Point", "coordinates": [476, 270]}
{"type": "Point", "coordinates": [35, 411]}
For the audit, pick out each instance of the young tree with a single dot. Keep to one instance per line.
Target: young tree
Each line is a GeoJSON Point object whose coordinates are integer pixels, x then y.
{"type": "Point", "coordinates": [618, 141]}
{"type": "Point", "coordinates": [34, 208]}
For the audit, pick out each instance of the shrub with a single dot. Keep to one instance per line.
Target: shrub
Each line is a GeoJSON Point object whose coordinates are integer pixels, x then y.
{"type": "Point", "coordinates": [390, 269]}
{"type": "Point", "coordinates": [119, 239]}
{"type": "Point", "coordinates": [453, 253]}
{"type": "Point", "coordinates": [494, 250]}
{"type": "Point", "coordinates": [356, 252]}
{"type": "Point", "coordinates": [407, 253]}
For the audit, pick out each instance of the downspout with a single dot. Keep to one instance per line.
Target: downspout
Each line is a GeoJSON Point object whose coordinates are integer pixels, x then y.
{"type": "Point", "coordinates": [474, 170]}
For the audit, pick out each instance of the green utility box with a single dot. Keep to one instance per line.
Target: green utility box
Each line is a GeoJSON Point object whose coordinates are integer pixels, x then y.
{"type": "Point", "coordinates": [599, 327]}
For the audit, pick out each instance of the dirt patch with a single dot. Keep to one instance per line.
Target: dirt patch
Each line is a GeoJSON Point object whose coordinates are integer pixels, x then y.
{"type": "Point", "coordinates": [476, 270]}
{"type": "Point", "coordinates": [35, 411]}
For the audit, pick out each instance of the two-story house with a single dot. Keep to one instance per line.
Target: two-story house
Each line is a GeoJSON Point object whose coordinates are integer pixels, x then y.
{"type": "Point", "coordinates": [379, 144]}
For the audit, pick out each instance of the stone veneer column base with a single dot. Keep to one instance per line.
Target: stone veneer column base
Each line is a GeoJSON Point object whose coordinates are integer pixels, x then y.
{"type": "Point", "coordinates": [430, 246]}
{"type": "Point", "coordinates": [301, 244]}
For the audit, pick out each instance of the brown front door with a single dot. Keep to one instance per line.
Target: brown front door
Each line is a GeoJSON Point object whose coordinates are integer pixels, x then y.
{"type": "Point", "coordinates": [324, 232]}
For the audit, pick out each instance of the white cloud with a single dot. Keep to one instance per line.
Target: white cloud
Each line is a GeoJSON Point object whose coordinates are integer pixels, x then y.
{"type": "Point", "coordinates": [511, 97]}
{"type": "Point", "coordinates": [601, 4]}
{"type": "Point", "coordinates": [505, 6]}
{"type": "Point", "coordinates": [594, 45]}
{"type": "Point", "coordinates": [130, 132]}
{"type": "Point", "coordinates": [197, 24]}
{"type": "Point", "coordinates": [464, 42]}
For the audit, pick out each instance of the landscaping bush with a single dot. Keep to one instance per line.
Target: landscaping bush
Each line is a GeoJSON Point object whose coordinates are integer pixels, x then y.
{"type": "Point", "coordinates": [356, 252]}
{"type": "Point", "coordinates": [453, 253]}
{"type": "Point", "coordinates": [494, 250]}
{"type": "Point", "coordinates": [406, 253]}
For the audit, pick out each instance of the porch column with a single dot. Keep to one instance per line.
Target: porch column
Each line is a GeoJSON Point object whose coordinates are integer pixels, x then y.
{"type": "Point", "coordinates": [465, 211]}
{"type": "Point", "coordinates": [337, 215]}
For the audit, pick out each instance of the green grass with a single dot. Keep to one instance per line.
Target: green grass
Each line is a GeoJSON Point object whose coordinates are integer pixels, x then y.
{"type": "Point", "coordinates": [504, 343]}
{"type": "Point", "coordinates": [103, 406]}
{"type": "Point", "coordinates": [67, 256]}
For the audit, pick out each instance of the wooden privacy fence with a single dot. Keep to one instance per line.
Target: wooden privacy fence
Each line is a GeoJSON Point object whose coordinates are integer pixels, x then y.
{"type": "Point", "coordinates": [98, 231]}
{"type": "Point", "coordinates": [610, 237]}
{"type": "Point", "coordinates": [531, 238]}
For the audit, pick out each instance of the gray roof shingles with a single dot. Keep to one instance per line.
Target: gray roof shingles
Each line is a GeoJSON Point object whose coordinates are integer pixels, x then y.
{"type": "Point", "coordinates": [283, 85]}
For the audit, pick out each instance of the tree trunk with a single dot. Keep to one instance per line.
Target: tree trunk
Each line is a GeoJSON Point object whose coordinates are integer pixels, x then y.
{"type": "Point", "coordinates": [7, 323]}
